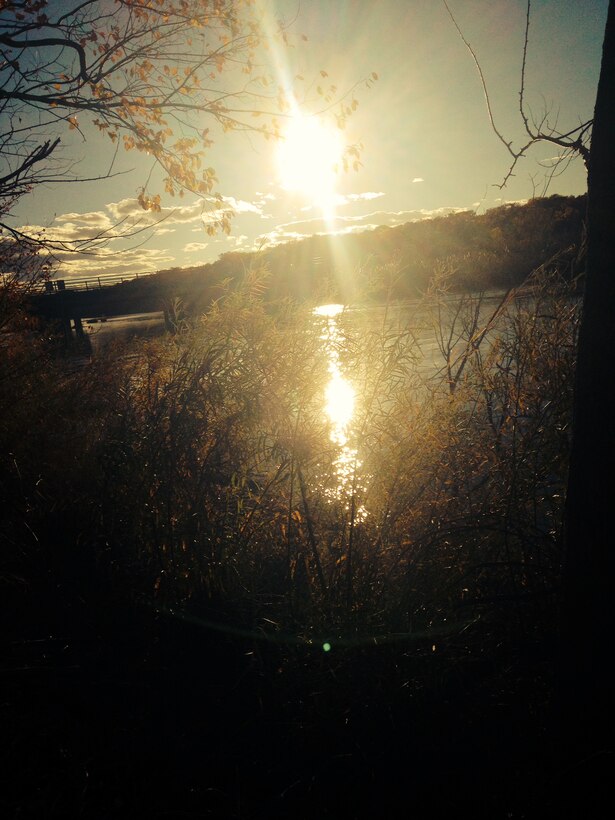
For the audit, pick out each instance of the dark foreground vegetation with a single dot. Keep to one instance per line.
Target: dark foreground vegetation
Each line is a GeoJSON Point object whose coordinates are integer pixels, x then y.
{"type": "Point", "coordinates": [205, 614]}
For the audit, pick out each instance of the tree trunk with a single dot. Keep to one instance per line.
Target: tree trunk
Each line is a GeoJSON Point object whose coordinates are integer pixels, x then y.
{"type": "Point", "coordinates": [589, 577]}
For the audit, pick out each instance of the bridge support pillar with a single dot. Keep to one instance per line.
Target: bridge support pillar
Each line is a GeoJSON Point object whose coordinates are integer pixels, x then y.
{"type": "Point", "coordinates": [78, 326]}
{"type": "Point", "coordinates": [66, 328]}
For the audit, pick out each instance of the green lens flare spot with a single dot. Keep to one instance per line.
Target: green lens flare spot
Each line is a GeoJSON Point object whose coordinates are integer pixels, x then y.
{"type": "Point", "coordinates": [326, 647]}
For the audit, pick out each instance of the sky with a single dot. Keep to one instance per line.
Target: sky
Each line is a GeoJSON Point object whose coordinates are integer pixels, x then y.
{"type": "Point", "coordinates": [427, 145]}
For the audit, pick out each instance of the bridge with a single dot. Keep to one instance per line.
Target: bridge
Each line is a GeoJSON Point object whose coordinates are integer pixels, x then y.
{"type": "Point", "coordinates": [70, 301]}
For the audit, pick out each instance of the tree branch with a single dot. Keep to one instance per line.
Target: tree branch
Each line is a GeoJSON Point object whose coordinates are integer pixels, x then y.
{"type": "Point", "coordinates": [535, 132]}
{"type": "Point", "coordinates": [23, 45]}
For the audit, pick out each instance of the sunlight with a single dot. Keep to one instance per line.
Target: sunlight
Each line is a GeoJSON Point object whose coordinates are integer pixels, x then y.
{"type": "Point", "coordinates": [339, 403]}
{"type": "Point", "coordinates": [306, 159]}
{"type": "Point", "coordinates": [339, 407]}
{"type": "Point", "coordinates": [328, 310]}
{"type": "Point", "coordinates": [339, 393]}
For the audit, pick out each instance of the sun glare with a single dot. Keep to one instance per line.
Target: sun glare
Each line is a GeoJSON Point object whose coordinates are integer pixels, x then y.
{"type": "Point", "coordinates": [339, 403]}
{"type": "Point", "coordinates": [339, 393]}
{"type": "Point", "coordinates": [306, 159]}
{"type": "Point", "coordinates": [329, 311]}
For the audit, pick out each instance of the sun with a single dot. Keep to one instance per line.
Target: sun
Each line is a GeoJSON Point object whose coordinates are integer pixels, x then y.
{"type": "Point", "coordinates": [307, 156]}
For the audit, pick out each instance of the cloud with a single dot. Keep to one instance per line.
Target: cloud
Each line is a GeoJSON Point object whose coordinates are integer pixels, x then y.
{"type": "Point", "coordinates": [366, 195]}
{"type": "Point", "coordinates": [282, 234]}
{"type": "Point", "coordinates": [95, 219]}
{"type": "Point", "coordinates": [69, 233]}
{"type": "Point", "coordinates": [125, 221]}
{"type": "Point", "coordinates": [94, 236]}
{"type": "Point", "coordinates": [108, 260]}
{"type": "Point", "coordinates": [204, 211]}
{"type": "Point", "coordinates": [240, 206]}
{"type": "Point", "coordinates": [262, 201]}
{"type": "Point", "coordinates": [512, 201]}
{"type": "Point", "coordinates": [301, 229]}
{"type": "Point", "coordinates": [418, 179]}
{"type": "Point", "coordinates": [130, 210]}
{"type": "Point", "coordinates": [349, 199]}
{"type": "Point", "coordinates": [342, 200]}
{"type": "Point", "coordinates": [126, 217]}
{"type": "Point", "coordinates": [277, 237]}
{"type": "Point", "coordinates": [121, 218]}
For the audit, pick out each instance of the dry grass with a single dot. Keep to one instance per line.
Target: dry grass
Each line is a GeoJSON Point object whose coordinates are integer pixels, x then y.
{"type": "Point", "coordinates": [190, 497]}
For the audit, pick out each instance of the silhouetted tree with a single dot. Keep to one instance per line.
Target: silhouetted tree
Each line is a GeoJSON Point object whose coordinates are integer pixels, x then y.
{"type": "Point", "coordinates": [589, 607]}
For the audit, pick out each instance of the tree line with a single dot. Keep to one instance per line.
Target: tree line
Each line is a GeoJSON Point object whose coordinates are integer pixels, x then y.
{"type": "Point", "coordinates": [494, 250]}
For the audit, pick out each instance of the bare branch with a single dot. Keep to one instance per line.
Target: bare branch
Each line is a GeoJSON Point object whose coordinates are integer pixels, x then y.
{"type": "Point", "coordinates": [575, 140]}
{"type": "Point", "coordinates": [500, 136]}
{"type": "Point", "coordinates": [523, 67]}
{"type": "Point", "coordinates": [44, 42]}
{"type": "Point", "coordinates": [17, 180]}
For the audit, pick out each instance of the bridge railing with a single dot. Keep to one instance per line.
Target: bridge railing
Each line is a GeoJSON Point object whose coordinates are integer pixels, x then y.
{"type": "Point", "coordinates": [89, 283]}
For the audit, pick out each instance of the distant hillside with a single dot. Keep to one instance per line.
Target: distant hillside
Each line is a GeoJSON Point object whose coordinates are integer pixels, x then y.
{"type": "Point", "coordinates": [492, 250]}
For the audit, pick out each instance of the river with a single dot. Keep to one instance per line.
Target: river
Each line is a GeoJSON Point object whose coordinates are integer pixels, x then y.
{"type": "Point", "coordinates": [103, 332]}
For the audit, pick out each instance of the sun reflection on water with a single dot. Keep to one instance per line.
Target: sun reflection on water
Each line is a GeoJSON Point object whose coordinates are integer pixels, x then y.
{"type": "Point", "coordinates": [339, 406]}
